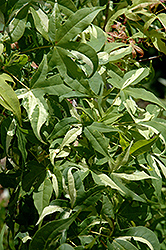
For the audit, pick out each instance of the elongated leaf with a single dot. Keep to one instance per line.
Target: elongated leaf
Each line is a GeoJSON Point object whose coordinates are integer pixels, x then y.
{"type": "Point", "coordinates": [142, 146]}
{"type": "Point", "coordinates": [97, 37]}
{"type": "Point", "coordinates": [65, 247]}
{"type": "Point", "coordinates": [121, 244]}
{"type": "Point", "coordinates": [99, 143]}
{"type": "Point", "coordinates": [1, 48]}
{"type": "Point", "coordinates": [62, 127]}
{"type": "Point", "coordinates": [134, 76]}
{"type": "Point", "coordinates": [69, 71]}
{"type": "Point", "coordinates": [162, 19]}
{"type": "Point", "coordinates": [136, 176]}
{"type": "Point", "coordinates": [144, 235]}
{"type": "Point", "coordinates": [76, 23]}
{"type": "Point", "coordinates": [49, 210]}
{"type": "Point", "coordinates": [17, 28]}
{"type": "Point", "coordinates": [101, 127]}
{"type": "Point", "coordinates": [43, 195]}
{"type": "Point", "coordinates": [71, 136]}
{"type": "Point", "coordinates": [103, 179]}
{"type": "Point", "coordinates": [40, 75]}
{"type": "Point", "coordinates": [8, 98]}
{"type": "Point", "coordinates": [54, 23]}
{"type": "Point", "coordinates": [86, 50]}
{"type": "Point", "coordinates": [126, 191]}
{"type": "Point", "coordinates": [69, 5]}
{"type": "Point", "coordinates": [49, 231]}
{"type": "Point", "coordinates": [140, 93]}
{"type": "Point", "coordinates": [34, 176]}
{"type": "Point", "coordinates": [41, 22]}
{"type": "Point", "coordinates": [37, 110]}
{"type": "Point", "coordinates": [1, 236]}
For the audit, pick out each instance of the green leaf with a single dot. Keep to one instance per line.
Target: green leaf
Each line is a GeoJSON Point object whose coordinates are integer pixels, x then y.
{"type": "Point", "coordinates": [2, 21]}
{"type": "Point", "coordinates": [142, 146]}
{"type": "Point", "coordinates": [134, 76]}
{"type": "Point", "coordinates": [34, 176]}
{"type": "Point", "coordinates": [140, 93]}
{"type": "Point", "coordinates": [84, 50]}
{"type": "Point", "coordinates": [65, 247]}
{"type": "Point", "coordinates": [17, 28]}
{"type": "Point", "coordinates": [1, 48]}
{"type": "Point", "coordinates": [162, 19]}
{"type": "Point", "coordinates": [136, 176]}
{"type": "Point", "coordinates": [54, 23]}
{"type": "Point", "coordinates": [22, 141]}
{"type": "Point", "coordinates": [42, 196]}
{"type": "Point", "coordinates": [76, 23]}
{"type": "Point", "coordinates": [98, 141]}
{"type": "Point", "coordinates": [48, 232]}
{"type": "Point", "coordinates": [1, 236]}
{"type": "Point", "coordinates": [49, 210]}
{"type": "Point", "coordinates": [144, 235]}
{"type": "Point", "coordinates": [121, 244]}
{"type": "Point", "coordinates": [41, 22]}
{"type": "Point", "coordinates": [62, 127]}
{"type": "Point", "coordinates": [8, 98]}
{"type": "Point", "coordinates": [97, 37]}
{"type": "Point", "coordinates": [71, 136]}
{"type": "Point", "coordinates": [103, 179]}
{"type": "Point", "coordinates": [37, 110]}
{"type": "Point", "coordinates": [126, 191]}
{"type": "Point", "coordinates": [69, 5]}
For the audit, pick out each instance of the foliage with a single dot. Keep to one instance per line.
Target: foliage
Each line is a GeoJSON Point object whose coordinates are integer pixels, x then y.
{"type": "Point", "coordinates": [83, 161]}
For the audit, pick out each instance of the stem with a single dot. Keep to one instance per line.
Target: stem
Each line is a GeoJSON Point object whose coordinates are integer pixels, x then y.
{"type": "Point", "coordinates": [106, 14]}
{"type": "Point", "coordinates": [149, 58]}
{"type": "Point", "coordinates": [42, 47]}
{"type": "Point", "coordinates": [17, 79]}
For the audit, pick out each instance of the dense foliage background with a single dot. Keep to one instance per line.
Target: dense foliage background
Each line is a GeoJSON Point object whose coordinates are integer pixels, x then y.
{"type": "Point", "coordinates": [83, 139]}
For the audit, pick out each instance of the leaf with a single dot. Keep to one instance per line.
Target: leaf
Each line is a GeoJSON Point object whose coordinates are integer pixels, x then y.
{"type": "Point", "coordinates": [1, 236]}
{"type": "Point", "coordinates": [49, 210]}
{"type": "Point", "coordinates": [121, 244]}
{"type": "Point", "coordinates": [126, 191]}
{"type": "Point", "coordinates": [99, 142]}
{"type": "Point", "coordinates": [76, 23]}
{"type": "Point", "coordinates": [134, 76]}
{"type": "Point", "coordinates": [34, 176]}
{"type": "Point", "coordinates": [62, 127]}
{"type": "Point", "coordinates": [103, 179]}
{"type": "Point", "coordinates": [68, 5]}
{"type": "Point", "coordinates": [49, 231]}
{"type": "Point", "coordinates": [40, 75]}
{"type": "Point", "coordinates": [162, 19]}
{"type": "Point", "coordinates": [142, 146]}
{"type": "Point", "coordinates": [37, 110]}
{"type": "Point", "coordinates": [70, 136]}
{"type": "Point", "coordinates": [97, 37]}
{"type": "Point", "coordinates": [17, 28]}
{"type": "Point", "coordinates": [54, 23]}
{"type": "Point", "coordinates": [22, 141]}
{"type": "Point", "coordinates": [136, 176]}
{"type": "Point", "coordinates": [42, 196]}
{"type": "Point", "coordinates": [86, 51]}
{"type": "Point", "coordinates": [144, 235]}
{"type": "Point", "coordinates": [102, 128]}
{"type": "Point", "coordinates": [140, 93]}
{"type": "Point", "coordinates": [1, 48]}
{"type": "Point", "coordinates": [8, 98]}
{"type": "Point", "coordinates": [2, 22]}
{"type": "Point", "coordinates": [65, 247]}
{"type": "Point", "coordinates": [41, 22]}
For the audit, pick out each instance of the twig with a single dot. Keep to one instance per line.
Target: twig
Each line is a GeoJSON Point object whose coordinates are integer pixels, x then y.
{"type": "Point", "coordinates": [17, 79]}
{"type": "Point", "coordinates": [42, 47]}
{"type": "Point", "coordinates": [106, 14]}
{"type": "Point", "coordinates": [149, 58]}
